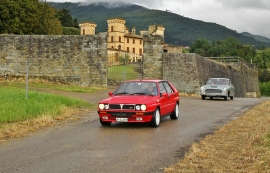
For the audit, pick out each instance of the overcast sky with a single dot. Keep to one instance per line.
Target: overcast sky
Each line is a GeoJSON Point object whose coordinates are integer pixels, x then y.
{"type": "Point", "coordinates": [252, 16]}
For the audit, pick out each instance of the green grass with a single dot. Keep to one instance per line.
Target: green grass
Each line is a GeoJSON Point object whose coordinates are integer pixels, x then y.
{"type": "Point", "coordinates": [119, 71]}
{"type": "Point", "coordinates": [15, 107]}
{"type": "Point", "coordinates": [61, 87]}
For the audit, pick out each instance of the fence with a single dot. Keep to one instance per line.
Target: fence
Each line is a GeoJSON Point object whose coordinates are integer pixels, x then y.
{"type": "Point", "coordinates": [122, 67]}
{"type": "Point", "coordinates": [235, 61]}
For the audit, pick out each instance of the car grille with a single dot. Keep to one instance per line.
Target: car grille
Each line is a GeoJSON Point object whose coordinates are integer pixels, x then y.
{"type": "Point", "coordinates": [121, 114]}
{"type": "Point", "coordinates": [122, 106]}
{"type": "Point", "coordinates": [213, 91]}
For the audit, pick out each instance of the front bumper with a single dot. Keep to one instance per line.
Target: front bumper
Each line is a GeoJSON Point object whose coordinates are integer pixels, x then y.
{"type": "Point", "coordinates": [213, 92]}
{"type": "Point", "coordinates": [114, 116]}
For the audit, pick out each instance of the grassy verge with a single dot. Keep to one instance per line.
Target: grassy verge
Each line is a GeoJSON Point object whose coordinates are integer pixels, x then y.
{"type": "Point", "coordinates": [32, 84]}
{"type": "Point", "coordinates": [15, 107]}
{"type": "Point", "coordinates": [20, 115]}
{"type": "Point", "coordinates": [240, 146]}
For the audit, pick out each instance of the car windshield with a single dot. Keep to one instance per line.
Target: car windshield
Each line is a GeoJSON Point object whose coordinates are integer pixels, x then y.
{"type": "Point", "coordinates": [218, 82]}
{"type": "Point", "coordinates": [137, 88]}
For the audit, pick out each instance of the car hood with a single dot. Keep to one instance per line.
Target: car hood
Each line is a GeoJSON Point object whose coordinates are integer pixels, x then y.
{"type": "Point", "coordinates": [133, 99]}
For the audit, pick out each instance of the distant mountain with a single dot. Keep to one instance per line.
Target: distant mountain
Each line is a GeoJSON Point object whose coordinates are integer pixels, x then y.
{"type": "Point", "coordinates": [257, 37]}
{"type": "Point", "coordinates": [179, 30]}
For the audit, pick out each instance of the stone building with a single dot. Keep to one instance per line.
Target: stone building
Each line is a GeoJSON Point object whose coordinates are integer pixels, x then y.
{"type": "Point", "coordinates": [88, 28]}
{"type": "Point", "coordinates": [121, 41]}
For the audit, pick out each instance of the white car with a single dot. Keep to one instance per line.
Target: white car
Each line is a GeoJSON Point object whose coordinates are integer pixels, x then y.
{"type": "Point", "coordinates": [218, 87]}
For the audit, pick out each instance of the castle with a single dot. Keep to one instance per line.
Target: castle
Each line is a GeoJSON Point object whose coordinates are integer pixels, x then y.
{"type": "Point", "coordinates": [121, 41]}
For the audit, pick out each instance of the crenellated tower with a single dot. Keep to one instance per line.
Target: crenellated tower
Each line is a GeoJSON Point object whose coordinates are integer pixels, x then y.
{"type": "Point", "coordinates": [116, 32]}
{"type": "Point", "coordinates": [88, 28]}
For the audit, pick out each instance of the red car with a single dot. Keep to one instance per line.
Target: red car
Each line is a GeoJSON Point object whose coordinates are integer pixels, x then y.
{"type": "Point", "coordinates": [140, 101]}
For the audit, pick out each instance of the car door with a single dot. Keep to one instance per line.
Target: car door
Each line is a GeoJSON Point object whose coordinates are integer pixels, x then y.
{"type": "Point", "coordinates": [171, 96]}
{"type": "Point", "coordinates": [164, 99]}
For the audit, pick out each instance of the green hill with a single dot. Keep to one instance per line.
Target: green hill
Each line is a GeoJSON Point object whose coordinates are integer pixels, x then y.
{"type": "Point", "coordinates": [257, 37]}
{"type": "Point", "coordinates": [179, 30]}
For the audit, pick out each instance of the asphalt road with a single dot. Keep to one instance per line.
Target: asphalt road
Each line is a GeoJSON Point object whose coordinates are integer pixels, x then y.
{"type": "Point", "coordinates": [86, 146]}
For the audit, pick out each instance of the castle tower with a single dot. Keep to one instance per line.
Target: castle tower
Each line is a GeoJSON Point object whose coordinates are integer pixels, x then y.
{"type": "Point", "coordinates": [156, 30]}
{"type": "Point", "coordinates": [88, 28]}
{"type": "Point", "coordinates": [133, 30]}
{"type": "Point", "coordinates": [116, 32]}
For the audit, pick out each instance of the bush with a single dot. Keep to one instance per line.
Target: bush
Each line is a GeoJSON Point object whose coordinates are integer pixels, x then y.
{"type": "Point", "coordinates": [71, 31]}
{"type": "Point", "coordinates": [265, 88]}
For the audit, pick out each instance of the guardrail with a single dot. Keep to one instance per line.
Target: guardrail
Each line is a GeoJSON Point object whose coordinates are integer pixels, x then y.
{"type": "Point", "coordinates": [235, 59]}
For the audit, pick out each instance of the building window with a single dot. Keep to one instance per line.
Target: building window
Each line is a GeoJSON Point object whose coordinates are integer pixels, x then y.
{"type": "Point", "coordinates": [140, 52]}
{"type": "Point", "coordinates": [83, 31]}
{"type": "Point", "coordinates": [133, 50]}
{"type": "Point", "coordinates": [120, 39]}
{"type": "Point", "coordinates": [111, 38]}
{"type": "Point", "coordinates": [140, 41]}
{"type": "Point", "coordinates": [127, 49]}
{"type": "Point", "coordinates": [133, 41]}
{"type": "Point", "coordinates": [127, 40]}
{"type": "Point", "coordinates": [112, 28]}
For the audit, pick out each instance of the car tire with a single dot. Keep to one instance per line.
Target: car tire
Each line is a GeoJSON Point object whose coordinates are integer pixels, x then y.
{"type": "Point", "coordinates": [225, 98]}
{"type": "Point", "coordinates": [175, 113]}
{"type": "Point", "coordinates": [211, 98]}
{"type": "Point", "coordinates": [155, 119]}
{"type": "Point", "coordinates": [104, 123]}
{"type": "Point", "coordinates": [203, 97]}
{"type": "Point", "coordinates": [231, 97]}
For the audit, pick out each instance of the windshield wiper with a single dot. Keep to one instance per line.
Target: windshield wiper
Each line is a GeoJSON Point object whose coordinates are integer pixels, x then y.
{"type": "Point", "coordinates": [121, 93]}
{"type": "Point", "coordinates": [140, 93]}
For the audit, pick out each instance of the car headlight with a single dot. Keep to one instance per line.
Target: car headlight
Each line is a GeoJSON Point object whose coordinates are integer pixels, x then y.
{"type": "Point", "coordinates": [140, 107]}
{"type": "Point", "coordinates": [106, 106]}
{"type": "Point", "coordinates": [143, 107]}
{"type": "Point", "coordinates": [202, 90]}
{"type": "Point", "coordinates": [137, 107]}
{"type": "Point", "coordinates": [103, 106]}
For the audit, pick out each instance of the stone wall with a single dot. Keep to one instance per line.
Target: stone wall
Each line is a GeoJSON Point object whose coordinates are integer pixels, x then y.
{"type": "Point", "coordinates": [152, 57]}
{"type": "Point", "coordinates": [78, 60]}
{"type": "Point", "coordinates": [190, 71]}
{"type": "Point", "coordinates": [82, 61]}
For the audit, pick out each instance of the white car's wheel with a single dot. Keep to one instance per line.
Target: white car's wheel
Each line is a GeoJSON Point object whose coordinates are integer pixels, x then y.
{"type": "Point", "coordinates": [155, 119]}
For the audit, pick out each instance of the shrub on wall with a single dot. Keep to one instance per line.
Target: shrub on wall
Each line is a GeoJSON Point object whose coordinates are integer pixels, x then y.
{"type": "Point", "coordinates": [71, 31]}
{"type": "Point", "coordinates": [265, 88]}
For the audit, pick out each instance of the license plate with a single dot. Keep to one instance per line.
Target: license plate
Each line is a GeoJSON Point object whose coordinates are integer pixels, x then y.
{"type": "Point", "coordinates": [122, 119]}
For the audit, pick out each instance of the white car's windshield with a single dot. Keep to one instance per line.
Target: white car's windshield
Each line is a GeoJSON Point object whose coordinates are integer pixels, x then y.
{"type": "Point", "coordinates": [137, 88]}
{"type": "Point", "coordinates": [218, 82]}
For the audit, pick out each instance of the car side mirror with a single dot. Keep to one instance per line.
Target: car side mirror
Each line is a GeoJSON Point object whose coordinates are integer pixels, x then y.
{"type": "Point", "coordinates": [110, 94]}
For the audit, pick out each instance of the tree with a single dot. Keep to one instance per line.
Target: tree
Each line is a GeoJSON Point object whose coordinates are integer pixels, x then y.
{"type": "Point", "coordinates": [75, 23]}
{"type": "Point", "coordinates": [28, 17]}
{"type": "Point", "coordinates": [65, 17]}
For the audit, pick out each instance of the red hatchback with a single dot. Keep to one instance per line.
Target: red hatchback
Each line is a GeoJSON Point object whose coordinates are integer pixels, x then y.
{"type": "Point", "coordinates": [140, 101]}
